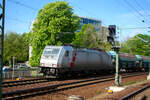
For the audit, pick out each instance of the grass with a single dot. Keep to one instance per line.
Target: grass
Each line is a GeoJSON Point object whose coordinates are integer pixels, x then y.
{"type": "Point", "coordinates": [35, 74]}
{"type": "Point", "coordinates": [141, 80]}
{"type": "Point", "coordinates": [133, 82]}
{"type": "Point", "coordinates": [129, 83]}
{"type": "Point", "coordinates": [98, 91]}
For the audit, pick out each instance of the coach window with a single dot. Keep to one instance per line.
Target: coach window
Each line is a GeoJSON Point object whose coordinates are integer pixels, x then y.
{"type": "Point", "coordinates": [67, 53]}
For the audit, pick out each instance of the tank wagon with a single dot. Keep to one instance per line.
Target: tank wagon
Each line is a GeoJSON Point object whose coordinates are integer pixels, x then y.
{"type": "Point", "coordinates": [130, 62]}
{"type": "Point", "coordinates": [64, 60]}
{"type": "Point", "coordinates": [146, 62]}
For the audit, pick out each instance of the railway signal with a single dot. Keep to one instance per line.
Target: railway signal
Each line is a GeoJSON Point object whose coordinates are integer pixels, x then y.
{"type": "Point", "coordinates": [2, 16]}
{"type": "Point", "coordinates": [111, 40]}
{"type": "Point", "coordinates": [112, 30]}
{"type": "Point", "coordinates": [112, 33]}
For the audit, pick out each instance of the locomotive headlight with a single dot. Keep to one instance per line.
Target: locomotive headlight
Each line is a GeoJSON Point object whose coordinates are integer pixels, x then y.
{"type": "Point", "coordinates": [41, 64]}
{"type": "Point", "coordinates": [54, 65]}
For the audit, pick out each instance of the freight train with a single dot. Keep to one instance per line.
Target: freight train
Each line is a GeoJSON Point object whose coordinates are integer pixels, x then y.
{"type": "Point", "coordinates": [130, 62]}
{"type": "Point", "coordinates": [67, 60]}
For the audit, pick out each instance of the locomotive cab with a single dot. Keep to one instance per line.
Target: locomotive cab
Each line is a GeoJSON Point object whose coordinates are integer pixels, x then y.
{"type": "Point", "coordinates": [52, 58]}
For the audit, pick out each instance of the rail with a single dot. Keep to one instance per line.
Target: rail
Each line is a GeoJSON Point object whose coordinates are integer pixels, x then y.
{"type": "Point", "coordinates": [18, 94]}
{"type": "Point", "coordinates": [25, 82]}
{"type": "Point", "coordinates": [135, 93]}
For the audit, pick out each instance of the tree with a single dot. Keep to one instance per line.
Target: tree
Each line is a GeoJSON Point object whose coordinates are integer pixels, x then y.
{"type": "Point", "coordinates": [15, 45]}
{"type": "Point", "coordinates": [107, 46]}
{"type": "Point", "coordinates": [55, 25]}
{"type": "Point", "coordinates": [87, 37]}
{"type": "Point", "coordinates": [139, 44]}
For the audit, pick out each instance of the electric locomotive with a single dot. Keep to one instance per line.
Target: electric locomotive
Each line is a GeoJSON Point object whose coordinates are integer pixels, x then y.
{"type": "Point", "coordinates": [63, 60]}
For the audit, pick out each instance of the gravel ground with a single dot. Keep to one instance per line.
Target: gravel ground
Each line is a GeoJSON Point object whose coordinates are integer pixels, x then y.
{"type": "Point", "coordinates": [92, 92]}
{"type": "Point", "coordinates": [21, 87]}
{"type": "Point", "coordinates": [7, 80]}
{"type": "Point", "coordinates": [145, 95]}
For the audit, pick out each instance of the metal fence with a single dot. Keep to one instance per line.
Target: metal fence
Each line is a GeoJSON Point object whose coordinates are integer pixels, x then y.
{"type": "Point", "coordinates": [21, 73]}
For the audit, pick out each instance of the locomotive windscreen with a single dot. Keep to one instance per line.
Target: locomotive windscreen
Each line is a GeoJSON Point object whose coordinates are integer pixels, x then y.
{"type": "Point", "coordinates": [51, 53]}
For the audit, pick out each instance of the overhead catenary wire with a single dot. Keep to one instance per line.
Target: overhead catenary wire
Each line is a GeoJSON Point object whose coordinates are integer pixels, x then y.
{"type": "Point", "coordinates": [134, 14]}
{"type": "Point", "coordinates": [130, 5]}
{"type": "Point", "coordinates": [17, 20]}
{"type": "Point", "coordinates": [137, 17]}
{"type": "Point", "coordinates": [129, 9]}
{"type": "Point", "coordinates": [27, 6]}
{"type": "Point", "coordinates": [22, 4]}
{"type": "Point", "coordinates": [139, 6]}
{"type": "Point", "coordinates": [139, 13]}
{"type": "Point", "coordinates": [142, 8]}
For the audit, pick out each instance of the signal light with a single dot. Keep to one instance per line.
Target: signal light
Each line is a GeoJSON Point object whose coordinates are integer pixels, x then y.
{"type": "Point", "coordinates": [54, 65]}
{"type": "Point", "coordinates": [112, 30]}
{"type": "Point", "coordinates": [110, 40]}
{"type": "Point", "coordinates": [112, 33]}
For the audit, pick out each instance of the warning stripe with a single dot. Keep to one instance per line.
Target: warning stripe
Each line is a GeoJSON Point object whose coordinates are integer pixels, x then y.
{"type": "Point", "coordinates": [73, 60]}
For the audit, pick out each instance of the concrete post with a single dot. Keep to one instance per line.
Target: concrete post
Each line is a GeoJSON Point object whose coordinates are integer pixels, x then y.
{"type": "Point", "coordinates": [148, 77]}
{"type": "Point", "coordinates": [13, 67]}
{"type": "Point", "coordinates": [116, 49]}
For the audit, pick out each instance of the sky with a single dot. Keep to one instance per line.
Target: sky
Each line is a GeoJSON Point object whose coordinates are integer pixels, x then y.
{"type": "Point", "coordinates": [131, 16]}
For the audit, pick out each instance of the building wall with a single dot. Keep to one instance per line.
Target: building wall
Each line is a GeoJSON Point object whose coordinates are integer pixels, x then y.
{"type": "Point", "coordinates": [86, 20]}
{"type": "Point", "coordinates": [103, 33]}
{"type": "Point", "coordinates": [95, 22]}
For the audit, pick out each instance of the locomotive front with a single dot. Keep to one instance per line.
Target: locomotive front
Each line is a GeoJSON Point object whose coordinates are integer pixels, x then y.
{"type": "Point", "coordinates": [55, 59]}
{"type": "Point", "coordinates": [49, 59]}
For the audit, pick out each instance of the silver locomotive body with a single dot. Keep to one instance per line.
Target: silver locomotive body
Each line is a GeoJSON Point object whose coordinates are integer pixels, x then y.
{"type": "Point", "coordinates": [62, 60]}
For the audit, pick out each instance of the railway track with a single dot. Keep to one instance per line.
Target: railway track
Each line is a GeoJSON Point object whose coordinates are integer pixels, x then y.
{"type": "Point", "coordinates": [19, 94]}
{"type": "Point", "coordinates": [31, 81]}
{"type": "Point", "coordinates": [25, 82]}
{"type": "Point", "coordinates": [133, 94]}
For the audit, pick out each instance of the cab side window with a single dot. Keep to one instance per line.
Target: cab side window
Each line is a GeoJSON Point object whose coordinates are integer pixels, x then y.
{"type": "Point", "coordinates": [67, 53]}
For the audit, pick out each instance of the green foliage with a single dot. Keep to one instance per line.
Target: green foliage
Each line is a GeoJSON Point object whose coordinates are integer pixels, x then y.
{"type": "Point", "coordinates": [107, 46]}
{"type": "Point", "coordinates": [15, 45]}
{"type": "Point", "coordinates": [55, 25]}
{"type": "Point", "coordinates": [137, 45]}
{"type": "Point", "coordinates": [99, 91]}
{"type": "Point", "coordinates": [129, 83]}
{"type": "Point", "coordinates": [87, 37]}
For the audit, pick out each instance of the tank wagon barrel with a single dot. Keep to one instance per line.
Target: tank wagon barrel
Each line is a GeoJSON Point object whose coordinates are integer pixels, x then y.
{"type": "Point", "coordinates": [130, 62]}
{"type": "Point", "coordinates": [146, 62]}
